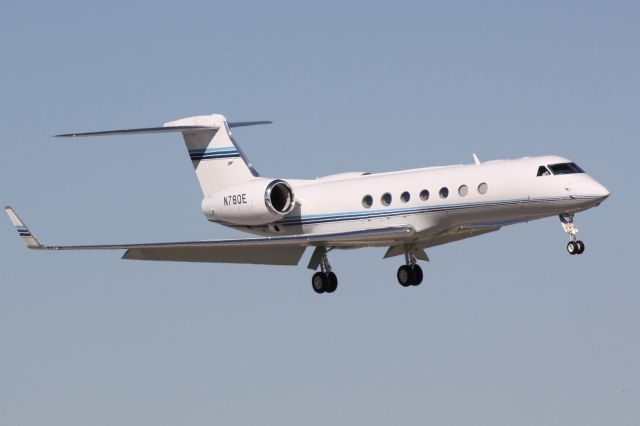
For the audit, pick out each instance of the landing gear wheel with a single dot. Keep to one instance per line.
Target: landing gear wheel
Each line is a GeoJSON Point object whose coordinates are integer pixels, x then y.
{"type": "Point", "coordinates": [319, 282]}
{"type": "Point", "coordinates": [574, 246]}
{"type": "Point", "coordinates": [324, 282]}
{"type": "Point", "coordinates": [332, 282]}
{"type": "Point", "coordinates": [416, 274]}
{"type": "Point", "coordinates": [404, 275]}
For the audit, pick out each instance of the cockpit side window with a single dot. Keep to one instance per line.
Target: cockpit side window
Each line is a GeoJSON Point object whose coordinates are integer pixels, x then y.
{"type": "Point", "coordinates": [543, 171]}
{"type": "Point", "coordinates": [565, 168]}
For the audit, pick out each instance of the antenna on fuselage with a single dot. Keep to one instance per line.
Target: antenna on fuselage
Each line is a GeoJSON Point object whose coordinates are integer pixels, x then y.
{"type": "Point", "coordinates": [476, 159]}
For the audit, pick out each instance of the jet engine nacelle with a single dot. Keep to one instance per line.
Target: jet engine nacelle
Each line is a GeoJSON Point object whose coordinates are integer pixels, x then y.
{"type": "Point", "coordinates": [256, 202]}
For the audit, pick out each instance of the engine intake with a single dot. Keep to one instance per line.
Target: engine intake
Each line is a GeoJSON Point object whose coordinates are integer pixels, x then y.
{"type": "Point", "coordinates": [279, 197]}
{"type": "Point", "coordinates": [257, 202]}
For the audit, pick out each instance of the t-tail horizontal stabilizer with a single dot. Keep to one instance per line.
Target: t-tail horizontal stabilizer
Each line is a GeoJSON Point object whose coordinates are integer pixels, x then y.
{"type": "Point", "coordinates": [163, 129]}
{"type": "Point", "coordinates": [216, 157]}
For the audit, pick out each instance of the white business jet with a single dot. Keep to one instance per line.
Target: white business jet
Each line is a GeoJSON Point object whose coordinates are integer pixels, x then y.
{"type": "Point", "coordinates": [407, 211]}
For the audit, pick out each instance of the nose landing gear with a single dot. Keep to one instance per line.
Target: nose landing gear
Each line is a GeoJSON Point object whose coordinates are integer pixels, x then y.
{"type": "Point", "coordinates": [574, 246]}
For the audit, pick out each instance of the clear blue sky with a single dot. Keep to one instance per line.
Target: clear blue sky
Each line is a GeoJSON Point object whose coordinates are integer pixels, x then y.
{"type": "Point", "coordinates": [506, 329]}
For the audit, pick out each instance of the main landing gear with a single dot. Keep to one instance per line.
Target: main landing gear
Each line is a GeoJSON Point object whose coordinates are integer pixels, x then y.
{"type": "Point", "coordinates": [574, 246]}
{"type": "Point", "coordinates": [410, 273]}
{"type": "Point", "coordinates": [324, 281]}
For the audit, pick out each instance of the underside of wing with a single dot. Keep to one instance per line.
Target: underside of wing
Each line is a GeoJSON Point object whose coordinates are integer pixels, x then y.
{"type": "Point", "coordinates": [259, 255]}
{"type": "Point", "coordinates": [267, 251]}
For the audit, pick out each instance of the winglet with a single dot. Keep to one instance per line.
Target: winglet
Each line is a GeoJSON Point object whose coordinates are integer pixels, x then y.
{"type": "Point", "coordinates": [29, 239]}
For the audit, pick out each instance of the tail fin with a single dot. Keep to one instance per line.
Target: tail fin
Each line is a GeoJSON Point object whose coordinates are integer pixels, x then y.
{"type": "Point", "coordinates": [218, 160]}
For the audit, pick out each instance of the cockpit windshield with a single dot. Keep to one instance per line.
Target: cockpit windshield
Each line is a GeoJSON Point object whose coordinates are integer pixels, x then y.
{"type": "Point", "coordinates": [543, 171]}
{"type": "Point", "coordinates": [565, 168]}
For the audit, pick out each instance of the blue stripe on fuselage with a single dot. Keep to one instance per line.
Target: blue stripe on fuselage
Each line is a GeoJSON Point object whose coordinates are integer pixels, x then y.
{"type": "Point", "coordinates": [375, 214]}
{"type": "Point", "coordinates": [338, 217]}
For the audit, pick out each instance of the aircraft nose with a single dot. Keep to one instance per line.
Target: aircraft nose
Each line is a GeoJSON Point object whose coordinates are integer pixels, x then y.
{"type": "Point", "coordinates": [600, 191]}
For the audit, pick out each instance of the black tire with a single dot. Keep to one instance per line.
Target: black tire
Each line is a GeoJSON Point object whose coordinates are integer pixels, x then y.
{"type": "Point", "coordinates": [416, 274]}
{"type": "Point", "coordinates": [319, 282]}
{"type": "Point", "coordinates": [404, 276]}
{"type": "Point", "coordinates": [332, 282]}
{"type": "Point", "coordinates": [572, 247]}
{"type": "Point", "coordinates": [580, 245]}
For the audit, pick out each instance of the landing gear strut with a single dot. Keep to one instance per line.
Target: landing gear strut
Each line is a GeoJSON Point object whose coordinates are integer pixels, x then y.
{"type": "Point", "coordinates": [574, 246]}
{"type": "Point", "coordinates": [410, 273]}
{"type": "Point", "coordinates": [324, 281]}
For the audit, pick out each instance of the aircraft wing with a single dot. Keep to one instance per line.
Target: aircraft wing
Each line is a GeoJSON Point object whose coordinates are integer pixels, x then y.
{"type": "Point", "coordinates": [280, 250]}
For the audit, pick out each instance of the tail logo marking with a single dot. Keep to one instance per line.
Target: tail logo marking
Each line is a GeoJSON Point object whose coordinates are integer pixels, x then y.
{"type": "Point", "coordinates": [213, 153]}
{"type": "Point", "coordinates": [23, 231]}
